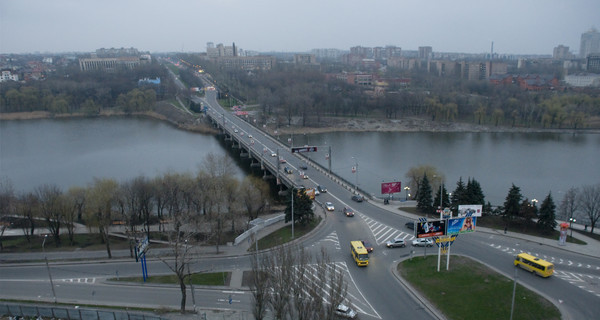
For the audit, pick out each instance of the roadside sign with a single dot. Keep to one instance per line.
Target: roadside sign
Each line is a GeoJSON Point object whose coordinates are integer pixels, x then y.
{"type": "Point", "coordinates": [304, 149]}
{"type": "Point", "coordinates": [432, 228]}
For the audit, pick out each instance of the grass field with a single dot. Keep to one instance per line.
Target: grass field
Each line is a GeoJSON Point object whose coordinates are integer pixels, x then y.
{"type": "Point", "coordinates": [471, 291]}
{"type": "Point", "coordinates": [199, 279]}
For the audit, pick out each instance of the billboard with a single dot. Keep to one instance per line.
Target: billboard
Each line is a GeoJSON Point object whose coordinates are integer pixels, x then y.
{"type": "Point", "coordinates": [461, 225]}
{"type": "Point", "coordinates": [391, 187]}
{"type": "Point", "coordinates": [474, 209]}
{"type": "Point", "coordinates": [304, 149]}
{"type": "Point", "coordinates": [433, 228]}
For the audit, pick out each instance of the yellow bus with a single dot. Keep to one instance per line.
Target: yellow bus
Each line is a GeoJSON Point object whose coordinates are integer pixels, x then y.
{"type": "Point", "coordinates": [530, 263]}
{"type": "Point", "coordinates": [359, 253]}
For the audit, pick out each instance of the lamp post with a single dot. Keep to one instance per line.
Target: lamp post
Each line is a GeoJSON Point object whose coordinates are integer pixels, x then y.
{"type": "Point", "coordinates": [406, 189]}
{"type": "Point", "coordinates": [292, 212]}
{"type": "Point", "coordinates": [48, 267]}
{"type": "Point", "coordinates": [571, 220]}
{"type": "Point", "coordinates": [355, 171]}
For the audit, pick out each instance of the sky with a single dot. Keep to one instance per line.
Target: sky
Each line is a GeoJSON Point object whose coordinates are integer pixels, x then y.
{"type": "Point", "coordinates": [470, 26]}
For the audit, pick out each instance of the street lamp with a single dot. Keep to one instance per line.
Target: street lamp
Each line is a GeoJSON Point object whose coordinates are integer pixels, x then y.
{"type": "Point", "coordinates": [406, 189]}
{"type": "Point", "coordinates": [571, 221]}
{"type": "Point", "coordinates": [48, 267]}
{"type": "Point", "coordinates": [355, 171]}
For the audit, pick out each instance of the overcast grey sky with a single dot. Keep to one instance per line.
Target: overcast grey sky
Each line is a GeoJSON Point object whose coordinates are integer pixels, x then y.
{"type": "Point", "coordinates": [515, 26]}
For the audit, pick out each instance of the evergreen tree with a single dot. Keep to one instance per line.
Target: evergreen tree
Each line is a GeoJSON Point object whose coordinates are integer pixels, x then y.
{"type": "Point", "coordinates": [512, 202]}
{"type": "Point", "coordinates": [445, 199]}
{"type": "Point", "coordinates": [458, 196]}
{"type": "Point", "coordinates": [424, 196]}
{"type": "Point", "coordinates": [527, 211]}
{"type": "Point", "coordinates": [547, 217]}
{"type": "Point", "coordinates": [303, 213]}
{"type": "Point", "coordinates": [474, 193]}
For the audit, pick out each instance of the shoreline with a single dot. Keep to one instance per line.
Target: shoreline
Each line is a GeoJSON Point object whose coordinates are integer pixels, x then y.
{"type": "Point", "coordinates": [182, 121]}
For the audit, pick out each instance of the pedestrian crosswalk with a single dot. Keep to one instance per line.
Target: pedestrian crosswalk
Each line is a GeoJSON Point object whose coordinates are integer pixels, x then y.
{"type": "Point", "coordinates": [383, 232]}
{"type": "Point", "coordinates": [80, 280]}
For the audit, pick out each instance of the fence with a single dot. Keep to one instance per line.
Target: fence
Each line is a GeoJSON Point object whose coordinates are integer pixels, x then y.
{"type": "Point", "coordinates": [260, 224]}
{"type": "Point", "coordinates": [47, 312]}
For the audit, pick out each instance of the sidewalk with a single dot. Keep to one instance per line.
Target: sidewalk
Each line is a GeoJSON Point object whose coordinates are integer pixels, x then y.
{"type": "Point", "coordinates": [591, 248]}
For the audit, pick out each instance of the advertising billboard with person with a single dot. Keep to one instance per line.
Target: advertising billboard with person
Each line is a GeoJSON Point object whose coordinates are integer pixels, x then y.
{"type": "Point", "coordinates": [461, 225]}
{"type": "Point", "coordinates": [474, 210]}
{"type": "Point", "coordinates": [433, 228]}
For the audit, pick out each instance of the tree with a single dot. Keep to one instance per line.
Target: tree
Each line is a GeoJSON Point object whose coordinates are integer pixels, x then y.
{"type": "Point", "coordinates": [512, 203]}
{"type": "Point", "coordinates": [459, 196]}
{"type": "Point", "coordinates": [303, 212]}
{"type": "Point", "coordinates": [102, 200]}
{"type": "Point", "coordinates": [547, 215]}
{"type": "Point", "coordinates": [569, 206]}
{"type": "Point", "coordinates": [424, 196]}
{"type": "Point", "coordinates": [474, 194]}
{"type": "Point", "coordinates": [445, 199]}
{"type": "Point", "coordinates": [589, 197]}
{"type": "Point", "coordinates": [7, 203]}
{"type": "Point", "coordinates": [415, 174]}
{"type": "Point", "coordinates": [254, 193]}
{"type": "Point", "coordinates": [49, 197]}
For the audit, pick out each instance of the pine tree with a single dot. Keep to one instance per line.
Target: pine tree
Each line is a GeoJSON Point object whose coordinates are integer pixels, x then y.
{"type": "Point", "coordinates": [474, 193]}
{"type": "Point", "coordinates": [445, 199]}
{"type": "Point", "coordinates": [512, 204]}
{"type": "Point", "coordinates": [303, 213]}
{"type": "Point", "coordinates": [458, 196]}
{"type": "Point", "coordinates": [547, 216]}
{"type": "Point", "coordinates": [424, 196]}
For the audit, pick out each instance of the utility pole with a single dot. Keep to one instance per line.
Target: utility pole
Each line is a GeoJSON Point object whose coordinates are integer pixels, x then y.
{"type": "Point", "coordinates": [48, 267]}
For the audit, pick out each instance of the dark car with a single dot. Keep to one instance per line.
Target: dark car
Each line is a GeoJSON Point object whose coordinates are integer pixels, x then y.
{"type": "Point", "coordinates": [357, 198]}
{"type": "Point", "coordinates": [348, 212]}
{"type": "Point", "coordinates": [288, 170]}
{"type": "Point", "coordinates": [367, 246]}
{"type": "Point", "coordinates": [321, 189]}
{"type": "Point", "coordinates": [410, 225]}
{"type": "Point", "coordinates": [303, 167]}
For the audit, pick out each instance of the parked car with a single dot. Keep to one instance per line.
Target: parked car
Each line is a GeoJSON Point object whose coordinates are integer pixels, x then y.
{"type": "Point", "coordinates": [329, 206]}
{"type": "Point", "coordinates": [303, 175]}
{"type": "Point", "coordinates": [357, 198]}
{"type": "Point", "coordinates": [367, 246]}
{"type": "Point", "coordinates": [321, 189]}
{"type": "Point", "coordinates": [410, 225]}
{"type": "Point", "coordinates": [345, 311]}
{"type": "Point", "coordinates": [348, 212]}
{"type": "Point", "coordinates": [423, 242]}
{"type": "Point", "coordinates": [396, 243]}
{"type": "Point", "coordinates": [288, 170]}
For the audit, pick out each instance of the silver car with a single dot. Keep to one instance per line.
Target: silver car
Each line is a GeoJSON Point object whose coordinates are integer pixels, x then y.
{"type": "Point", "coordinates": [345, 311]}
{"type": "Point", "coordinates": [423, 242]}
{"type": "Point", "coordinates": [396, 243]}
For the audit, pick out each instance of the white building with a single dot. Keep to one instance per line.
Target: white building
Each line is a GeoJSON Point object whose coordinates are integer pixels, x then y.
{"type": "Point", "coordinates": [8, 75]}
{"type": "Point", "coordinates": [583, 80]}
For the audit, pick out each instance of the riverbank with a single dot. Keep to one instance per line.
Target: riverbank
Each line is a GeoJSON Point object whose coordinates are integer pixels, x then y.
{"type": "Point", "coordinates": [167, 112]}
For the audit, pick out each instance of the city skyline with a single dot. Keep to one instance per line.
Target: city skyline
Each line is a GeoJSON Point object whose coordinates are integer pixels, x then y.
{"type": "Point", "coordinates": [469, 26]}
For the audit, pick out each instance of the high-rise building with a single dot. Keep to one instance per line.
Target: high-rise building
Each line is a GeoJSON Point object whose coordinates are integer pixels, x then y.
{"type": "Point", "coordinates": [593, 63]}
{"type": "Point", "coordinates": [590, 43]}
{"type": "Point", "coordinates": [561, 53]}
{"type": "Point", "coordinates": [425, 52]}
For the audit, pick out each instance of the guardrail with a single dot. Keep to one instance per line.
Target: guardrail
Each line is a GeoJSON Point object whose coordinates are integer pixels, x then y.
{"type": "Point", "coordinates": [258, 225]}
{"type": "Point", "coordinates": [47, 312]}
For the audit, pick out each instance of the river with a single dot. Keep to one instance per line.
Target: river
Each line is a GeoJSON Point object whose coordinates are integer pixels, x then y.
{"type": "Point", "coordinates": [71, 152]}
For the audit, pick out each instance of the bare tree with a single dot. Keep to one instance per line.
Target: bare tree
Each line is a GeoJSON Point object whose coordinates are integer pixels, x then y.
{"type": "Point", "coordinates": [415, 174]}
{"type": "Point", "coordinates": [49, 197]}
{"type": "Point", "coordinates": [253, 193]}
{"type": "Point", "coordinates": [7, 203]}
{"type": "Point", "coordinates": [181, 239]}
{"type": "Point", "coordinates": [589, 197]}
{"type": "Point", "coordinates": [68, 206]}
{"type": "Point", "coordinates": [569, 205]}
{"type": "Point", "coordinates": [102, 200]}
{"type": "Point", "coordinates": [27, 207]}
{"type": "Point", "coordinates": [259, 285]}
{"type": "Point", "coordinates": [280, 270]}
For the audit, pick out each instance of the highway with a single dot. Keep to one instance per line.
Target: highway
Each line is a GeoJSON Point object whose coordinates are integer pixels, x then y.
{"type": "Point", "coordinates": [375, 291]}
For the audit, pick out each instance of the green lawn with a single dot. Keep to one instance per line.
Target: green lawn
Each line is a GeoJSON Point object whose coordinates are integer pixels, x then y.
{"type": "Point", "coordinates": [200, 279]}
{"type": "Point", "coordinates": [470, 290]}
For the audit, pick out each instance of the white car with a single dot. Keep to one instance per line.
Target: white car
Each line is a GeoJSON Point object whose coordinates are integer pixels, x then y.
{"type": "Point", "coordinates": [329, 206]}
{"type": "Point", "coordinates": [250, 136]}
{"type": "Point", "coordinates": [273, 154]}
{"type": "Point", "coordinates": [423, 242]}
{"type": "Point", "coordinates": [345, 311]}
